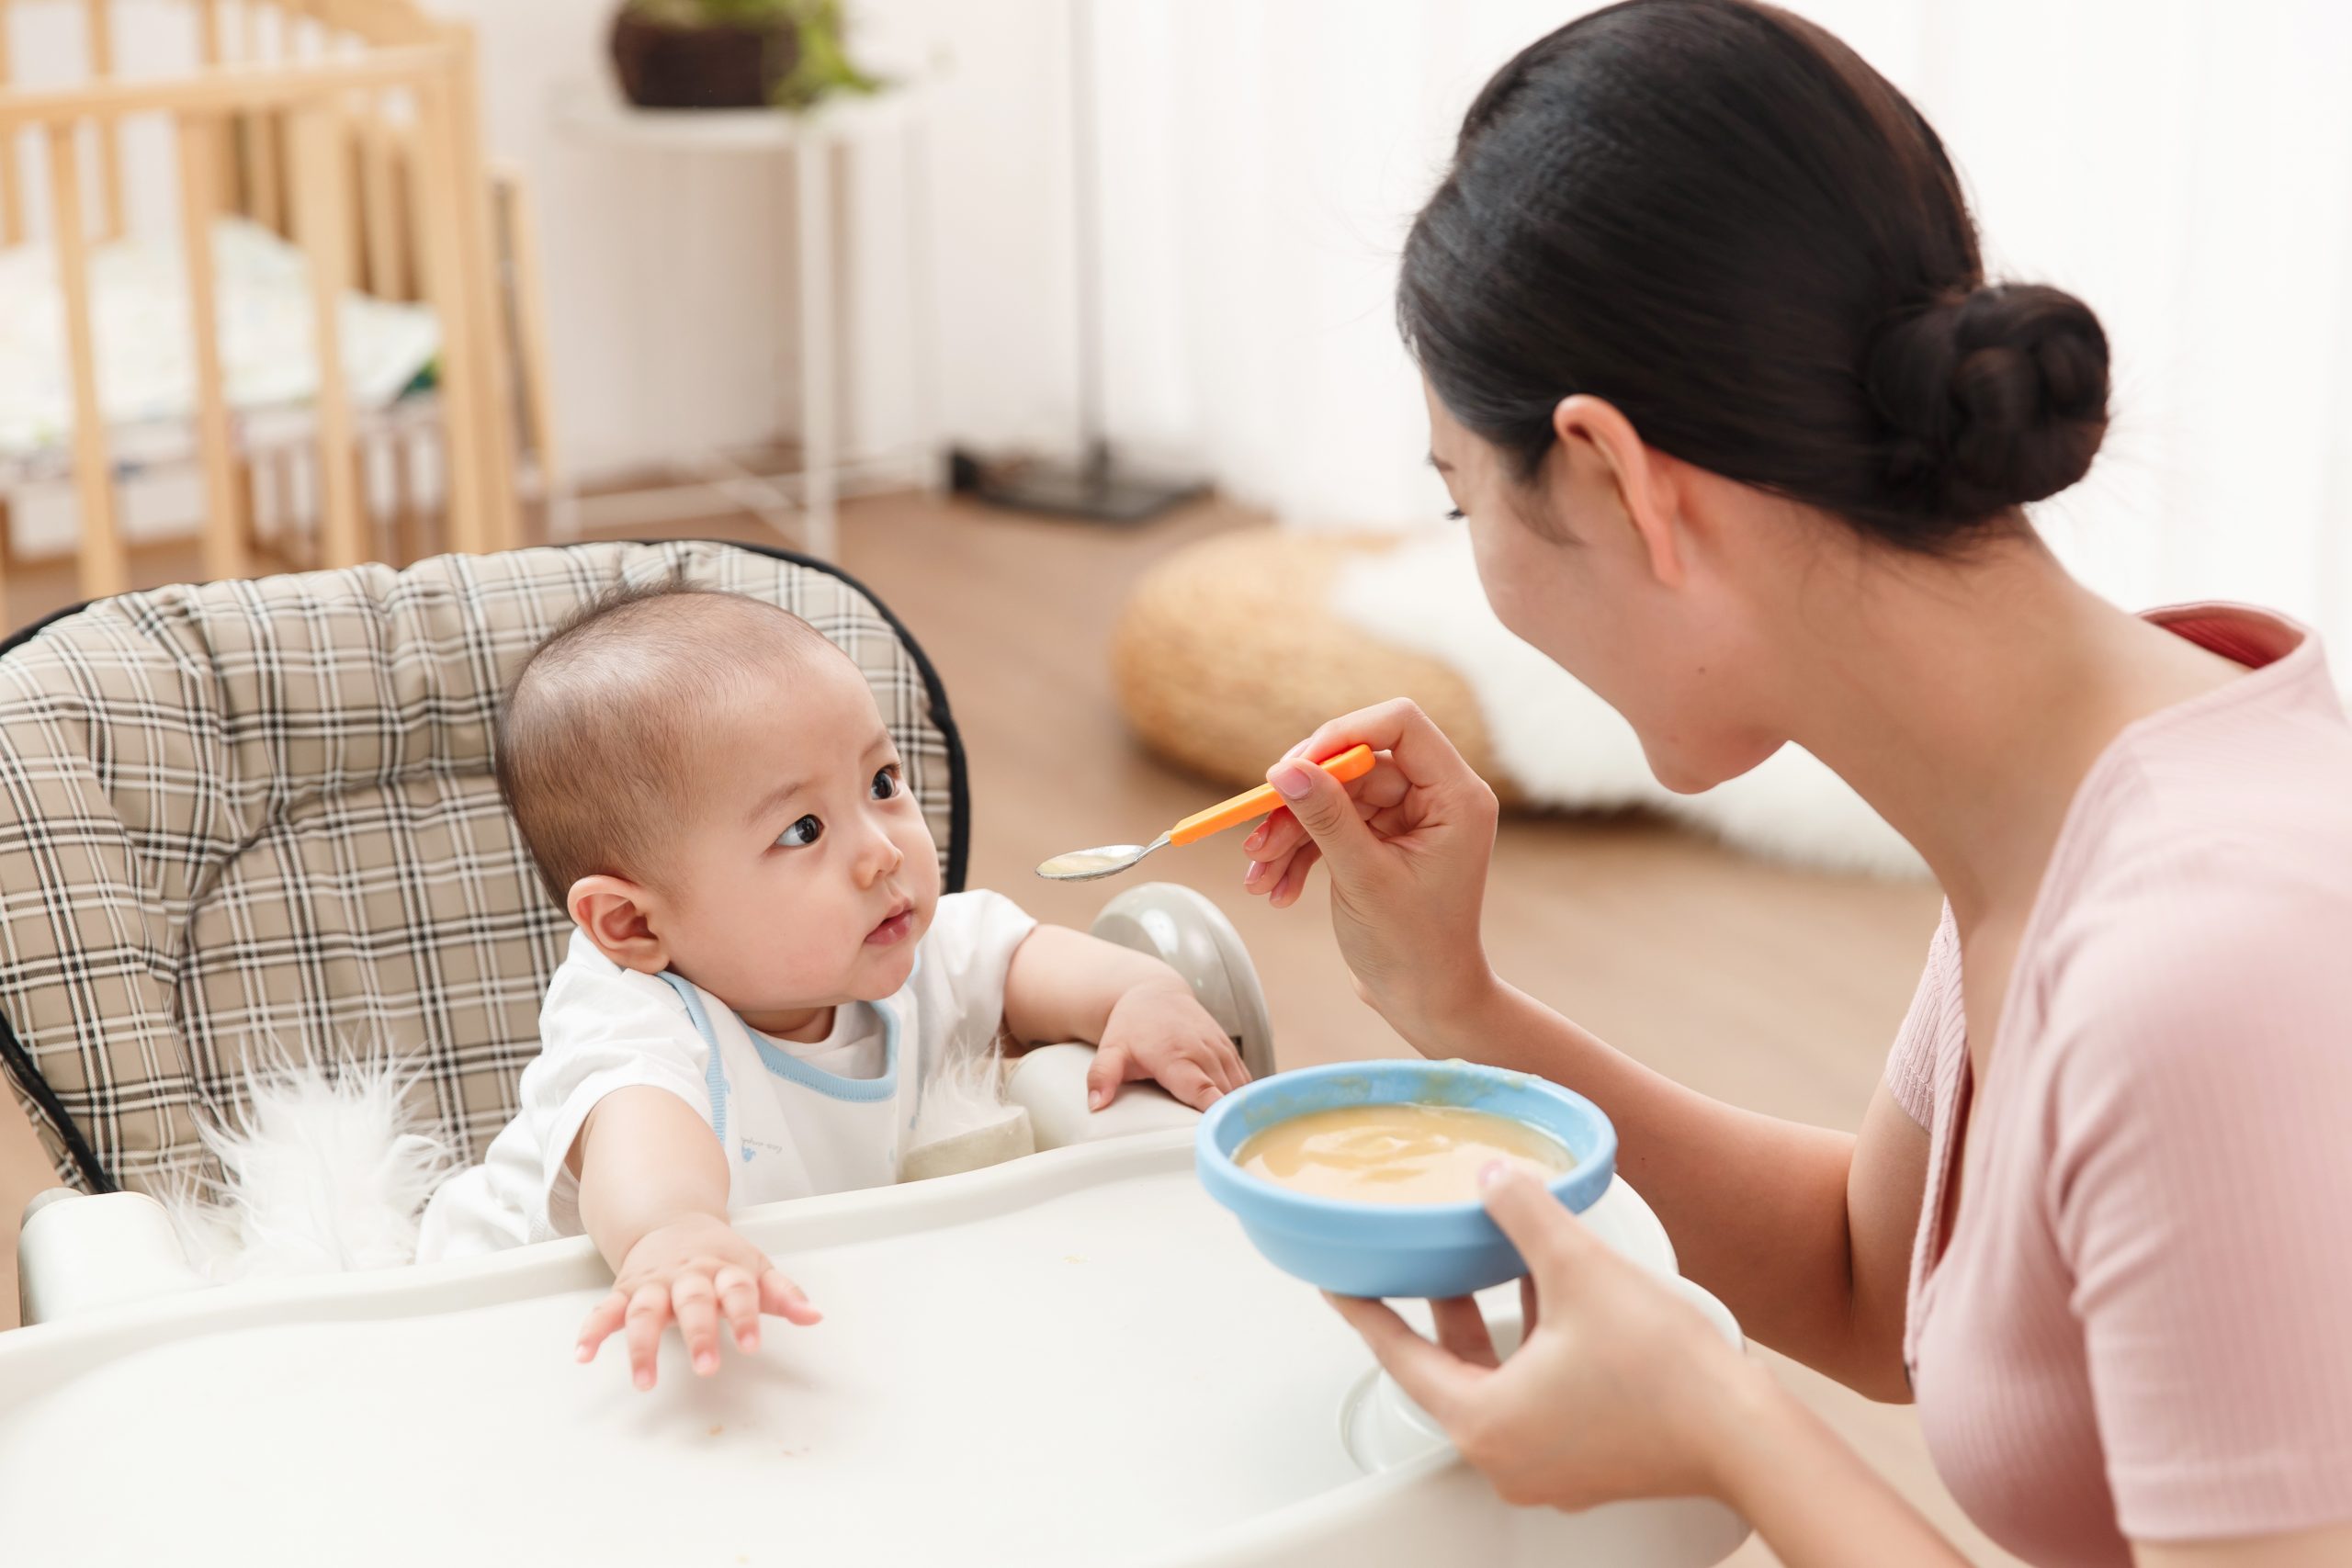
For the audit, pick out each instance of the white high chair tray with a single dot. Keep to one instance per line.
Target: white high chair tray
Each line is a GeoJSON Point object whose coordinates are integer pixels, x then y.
{"type": "Point", "coordinates": [1074, 1359]}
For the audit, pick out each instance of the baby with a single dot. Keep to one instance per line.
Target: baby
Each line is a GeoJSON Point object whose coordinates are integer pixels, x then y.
{"type": "Point", "coordinates": [763, 975]}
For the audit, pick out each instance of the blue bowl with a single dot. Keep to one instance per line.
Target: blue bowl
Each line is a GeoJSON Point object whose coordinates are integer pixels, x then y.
{"type": "Point", "coordinates": [1395, 1249]}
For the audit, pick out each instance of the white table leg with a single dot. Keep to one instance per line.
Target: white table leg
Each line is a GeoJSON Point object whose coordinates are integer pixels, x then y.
{"type": "Point", "coordinates": [819, 442]}
{"type": "Point", "coordinates": [923, 311]}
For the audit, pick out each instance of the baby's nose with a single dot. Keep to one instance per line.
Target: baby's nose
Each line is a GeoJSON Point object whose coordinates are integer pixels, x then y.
{"type": "Point", "coordinates": [881, 859]}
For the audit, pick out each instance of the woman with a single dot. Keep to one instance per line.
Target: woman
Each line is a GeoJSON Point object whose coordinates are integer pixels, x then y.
{"type": "Point", "coordinates": [1742, 436]}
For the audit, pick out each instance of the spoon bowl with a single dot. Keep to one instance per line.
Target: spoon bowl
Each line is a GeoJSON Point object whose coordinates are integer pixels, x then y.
{"type": "Point", "coordinates": [1087, 865]}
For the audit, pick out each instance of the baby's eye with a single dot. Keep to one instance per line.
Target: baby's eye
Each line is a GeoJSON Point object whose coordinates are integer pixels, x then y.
{"type": "Point", "coordinates": [802, 833]}
{"type": "Point", "coordinates": [886, 783]}
{"type": "Point", "coordinates": [1454, 515]}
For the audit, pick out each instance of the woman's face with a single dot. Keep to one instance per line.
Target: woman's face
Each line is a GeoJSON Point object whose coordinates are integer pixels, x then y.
{"type": "Point", "coordinates": [1666, 643]}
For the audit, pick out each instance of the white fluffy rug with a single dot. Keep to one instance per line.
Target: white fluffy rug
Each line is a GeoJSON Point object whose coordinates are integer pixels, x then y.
{"type": "Point", "coordinates": [1566, 748]}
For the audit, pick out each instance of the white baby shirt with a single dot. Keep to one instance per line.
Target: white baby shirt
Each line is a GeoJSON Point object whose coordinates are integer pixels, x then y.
{"type": "Point", "coordinates": [795, 1120]}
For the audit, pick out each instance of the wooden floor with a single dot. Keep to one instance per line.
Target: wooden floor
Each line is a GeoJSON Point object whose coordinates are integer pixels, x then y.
{"type": "Point", "coordinates": [1774, 987]}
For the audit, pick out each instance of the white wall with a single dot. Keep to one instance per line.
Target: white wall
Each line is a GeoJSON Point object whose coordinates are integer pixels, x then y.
{"type": "Point", "coordinates": [669, 279]}
{"type": "Point", "coordinates": [2185, 167]}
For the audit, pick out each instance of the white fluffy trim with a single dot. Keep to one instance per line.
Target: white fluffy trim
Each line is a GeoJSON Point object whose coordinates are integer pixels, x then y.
{"type": "Point", "coordinates": [324, 1170]}
{"type": "Point", "coordinates": [965, 1096]}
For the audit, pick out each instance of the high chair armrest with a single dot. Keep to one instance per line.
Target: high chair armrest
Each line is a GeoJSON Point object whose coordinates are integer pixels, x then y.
{"type": "Point", "coordinates": [1050, 1084]}
{"type": "Point", "coordinates": [77, 1252]}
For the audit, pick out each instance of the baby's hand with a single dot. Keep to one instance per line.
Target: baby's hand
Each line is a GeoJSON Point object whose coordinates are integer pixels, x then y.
{"type": "Point", "coordinates": [694, 1269]}
{"type": "Point", "coordinates": [1158, 1031]}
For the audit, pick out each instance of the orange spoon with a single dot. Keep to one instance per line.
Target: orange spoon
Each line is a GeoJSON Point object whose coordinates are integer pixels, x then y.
{"type": "Point", "coordinates": [1085, 865]}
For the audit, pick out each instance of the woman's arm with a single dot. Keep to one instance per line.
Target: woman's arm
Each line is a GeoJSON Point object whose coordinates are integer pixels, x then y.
{"type": "Point", "coordinates": [1672, 1409]}
{"type": "Point", "coordinates": [2327, 1547]}
{"type": "Point", "coordinates": [1668, 1407]}
{"type": "Point", "coordinates": [1809, 1495]}
{"type": "Point", "coordinates": [1805, 1234]}
{"type": "Point", "coordinates": [1819, 1506]}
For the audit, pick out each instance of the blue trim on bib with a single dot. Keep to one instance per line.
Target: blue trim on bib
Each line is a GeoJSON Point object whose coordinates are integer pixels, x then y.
{"type": "Point", "coordinates": [832, 1086]}
{"type": "Point", "coordinates": [714, 1076]}
{"type": "Point", "coordinates": [791, 1069]}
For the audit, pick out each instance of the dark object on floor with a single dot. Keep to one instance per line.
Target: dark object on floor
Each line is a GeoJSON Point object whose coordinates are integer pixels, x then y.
{"type": "Point", "coordinates": [1098, 488]}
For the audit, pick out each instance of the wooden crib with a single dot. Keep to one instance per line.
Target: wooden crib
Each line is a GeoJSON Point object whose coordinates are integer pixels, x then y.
{"type": "Point", "coordinates": [351, 128]}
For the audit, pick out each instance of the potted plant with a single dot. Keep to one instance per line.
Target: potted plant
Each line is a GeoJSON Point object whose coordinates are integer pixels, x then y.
{"type": "Point", "coordinates": [681, 54]}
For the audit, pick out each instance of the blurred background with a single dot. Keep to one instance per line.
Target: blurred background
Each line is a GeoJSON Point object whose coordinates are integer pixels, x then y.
{"type": "Point", "coordinates": [1066, 324]}
{"type": "Point", "coordinates": [2185, 167]}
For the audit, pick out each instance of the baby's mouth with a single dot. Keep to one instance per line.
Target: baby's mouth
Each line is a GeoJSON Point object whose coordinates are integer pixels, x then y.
{"type": "Point", "coordinates": [893, 929]}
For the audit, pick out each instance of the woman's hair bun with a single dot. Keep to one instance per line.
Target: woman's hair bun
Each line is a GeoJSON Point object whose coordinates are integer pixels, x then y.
{"type": "Point", "coordinates": [1991, 398]}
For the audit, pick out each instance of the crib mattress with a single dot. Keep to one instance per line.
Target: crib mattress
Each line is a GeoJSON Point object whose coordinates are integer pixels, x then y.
{"type": "Point", "coordinates": [1075, 1359]}
{"type": "Point", "coordinates": [145, 352]}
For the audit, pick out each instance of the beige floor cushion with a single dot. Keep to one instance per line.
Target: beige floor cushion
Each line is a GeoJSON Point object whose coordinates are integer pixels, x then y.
{"type": "Point", "coordinates": [1228, 654]}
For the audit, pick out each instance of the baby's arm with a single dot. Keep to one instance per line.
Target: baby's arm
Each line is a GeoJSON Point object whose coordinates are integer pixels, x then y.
{"type": "Point", "coordinates": [654, 1197]}
{"type": "Point", "coordinates": [1064, 985]}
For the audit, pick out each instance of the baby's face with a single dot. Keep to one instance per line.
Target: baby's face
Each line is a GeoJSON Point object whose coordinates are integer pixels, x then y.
{"type": "Point", "coordinates": [804, 875]}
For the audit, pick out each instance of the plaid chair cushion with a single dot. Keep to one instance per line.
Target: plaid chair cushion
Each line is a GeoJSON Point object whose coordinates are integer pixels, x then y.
{"type": "Point", "coordinates": [257, 817]}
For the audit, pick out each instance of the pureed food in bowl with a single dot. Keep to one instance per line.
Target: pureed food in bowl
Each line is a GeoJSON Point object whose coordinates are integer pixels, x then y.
{"type": "Point", "coordinates": [1397, 1152]}
{"type": "Point", "coordinates": [1355, 1245]}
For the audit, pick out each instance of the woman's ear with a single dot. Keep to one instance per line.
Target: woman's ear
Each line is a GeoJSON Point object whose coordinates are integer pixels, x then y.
{"type": "Point", "coordinates": [619, 916]}
{"type": "Point", "coordinates": [1644, 488]}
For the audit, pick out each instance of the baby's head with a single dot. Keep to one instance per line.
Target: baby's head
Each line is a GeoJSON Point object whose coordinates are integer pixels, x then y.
{"type": "Point", "coordinates": [707, 786]}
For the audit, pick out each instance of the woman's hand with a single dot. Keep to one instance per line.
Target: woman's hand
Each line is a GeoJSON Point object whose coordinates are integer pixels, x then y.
{"type": "Point", "coordinates": [695, 1269]}
{"type": "Point", "coordinates": [1407, 846]}
{"type": "Point", "coordinates": [1619, 1390]}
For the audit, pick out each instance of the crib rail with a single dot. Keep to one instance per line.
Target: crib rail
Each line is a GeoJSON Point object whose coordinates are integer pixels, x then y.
{"type": "Point", "coordinates": [349, 127]}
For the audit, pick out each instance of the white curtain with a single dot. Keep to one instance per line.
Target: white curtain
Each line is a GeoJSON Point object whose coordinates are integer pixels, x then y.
{"type": "Point", "coordinates": [2185, 167]}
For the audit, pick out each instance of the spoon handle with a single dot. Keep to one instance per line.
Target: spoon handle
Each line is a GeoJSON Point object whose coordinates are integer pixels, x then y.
{"type": "Point", "coordinates": [1352, 763]}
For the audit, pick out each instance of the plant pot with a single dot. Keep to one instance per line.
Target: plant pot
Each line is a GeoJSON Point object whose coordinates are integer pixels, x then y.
{"type": "Point", "coordinates": [662, 65]}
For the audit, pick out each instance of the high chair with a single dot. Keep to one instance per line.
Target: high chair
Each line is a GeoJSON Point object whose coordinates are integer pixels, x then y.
{"type": "Point", "coordinates": [257, 816]}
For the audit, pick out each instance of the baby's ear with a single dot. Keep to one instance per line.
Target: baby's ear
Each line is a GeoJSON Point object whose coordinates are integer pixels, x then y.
{"type": "Point", "coordinates": [618, 916]}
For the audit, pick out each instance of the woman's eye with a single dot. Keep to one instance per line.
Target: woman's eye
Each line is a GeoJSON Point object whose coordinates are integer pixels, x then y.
{"type": "Point", "coordinates": [801, 833]}
{"type": "Point", "coordinates": [886, 784]}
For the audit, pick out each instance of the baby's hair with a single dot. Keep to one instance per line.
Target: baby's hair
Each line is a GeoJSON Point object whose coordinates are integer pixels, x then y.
{"type": "Point", "coordinates": [594, 742]}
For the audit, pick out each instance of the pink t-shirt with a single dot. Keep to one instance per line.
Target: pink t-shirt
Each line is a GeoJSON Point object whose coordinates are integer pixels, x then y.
{"type": "Point", "coordinates": [2141, 1325]}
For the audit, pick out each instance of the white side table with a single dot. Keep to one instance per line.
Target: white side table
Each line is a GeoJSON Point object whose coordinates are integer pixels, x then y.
{"type": "Point", "coordinates": [594, 112]}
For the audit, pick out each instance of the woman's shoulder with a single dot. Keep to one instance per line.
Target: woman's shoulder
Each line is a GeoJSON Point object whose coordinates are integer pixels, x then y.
{"type": "Point", "coordinates": [2224, 824]}
{"type": "Point", "coordinates": [2204, 932]}
{"type": "Point", "coordinates": [2202, 898]}
{"type": "Point", "coordinates": [2267, 756]}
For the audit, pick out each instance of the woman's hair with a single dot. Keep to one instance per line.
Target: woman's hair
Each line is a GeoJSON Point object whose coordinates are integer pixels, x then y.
{"type": "Point", "coordinates": [1715, 216]}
